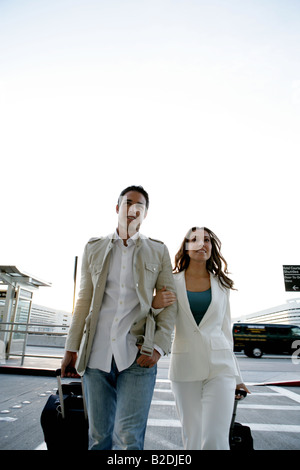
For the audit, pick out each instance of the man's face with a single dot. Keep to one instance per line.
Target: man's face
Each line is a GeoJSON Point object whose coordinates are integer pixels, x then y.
{"type": "Point", "coordinates": [132, 211]}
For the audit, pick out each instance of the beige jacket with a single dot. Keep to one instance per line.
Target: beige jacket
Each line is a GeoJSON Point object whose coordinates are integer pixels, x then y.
{"type": "Point", "coordinates": [203, 351]}
{"type": "Point", "coordinates": [152, 269]}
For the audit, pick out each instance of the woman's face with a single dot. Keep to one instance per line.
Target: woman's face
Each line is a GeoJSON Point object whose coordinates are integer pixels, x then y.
{"type": "Point", "coordinates": [199, 247]}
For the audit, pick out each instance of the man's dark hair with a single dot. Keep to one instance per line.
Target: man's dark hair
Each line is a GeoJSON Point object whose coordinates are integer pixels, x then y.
{"type": "Point", "coordinates": [138, 189]}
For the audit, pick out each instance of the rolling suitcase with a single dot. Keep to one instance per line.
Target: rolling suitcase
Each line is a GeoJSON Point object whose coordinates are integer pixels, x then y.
{"type": "Point", "coordinates": [240, 437]}
{"type": "Point", "coordinates": [64, 418]}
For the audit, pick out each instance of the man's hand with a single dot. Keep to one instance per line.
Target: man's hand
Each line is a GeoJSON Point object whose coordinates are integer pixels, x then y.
{"type": "Point", "coordinates": [69, 361]}
{"type": "Point", "coordinates": [148, 361]}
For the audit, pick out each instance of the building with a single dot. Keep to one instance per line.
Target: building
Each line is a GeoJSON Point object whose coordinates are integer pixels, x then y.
{"type": "Point", "coordinates": [21, 321]}
{"type": "Point", "coordinates": [46, 326]}
{"type": "Point", "coordinates": [46, 319]}
{"type": "Point", "coordinates": [288, 313]}
{"type": "Point", "coordinates": [17, 287]}
{"type": "Point", "coordinates": [42, 319]}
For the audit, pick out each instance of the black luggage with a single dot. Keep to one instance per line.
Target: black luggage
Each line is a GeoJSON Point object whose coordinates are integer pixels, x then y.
{"type": "Point", "coordinates": [240, 437]}
{"type": "Point", "coordinates": [64, 418]}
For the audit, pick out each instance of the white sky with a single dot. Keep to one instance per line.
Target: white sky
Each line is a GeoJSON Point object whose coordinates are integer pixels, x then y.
{"type": "Point", "coordinates": [198, 101]}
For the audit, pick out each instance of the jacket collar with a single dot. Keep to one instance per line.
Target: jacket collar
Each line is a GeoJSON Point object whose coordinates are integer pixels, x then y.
{"type": "Point", "coordinates": [134, 239]}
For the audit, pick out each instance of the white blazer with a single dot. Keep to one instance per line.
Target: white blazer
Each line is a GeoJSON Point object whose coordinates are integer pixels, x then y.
{"type": "Point", "coordinates": [204, 351]}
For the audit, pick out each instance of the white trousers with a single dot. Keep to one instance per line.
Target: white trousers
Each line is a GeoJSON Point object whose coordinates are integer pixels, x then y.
{"type": "Point", "coordinates": [205, 410]}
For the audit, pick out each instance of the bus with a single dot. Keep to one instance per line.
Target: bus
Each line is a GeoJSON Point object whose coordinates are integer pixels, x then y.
{"type": "Point", "coordinates": [255, 339]}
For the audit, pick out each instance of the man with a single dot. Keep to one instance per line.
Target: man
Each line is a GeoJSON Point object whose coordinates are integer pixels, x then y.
{"type": "Point", "coordinates": [118, 334]}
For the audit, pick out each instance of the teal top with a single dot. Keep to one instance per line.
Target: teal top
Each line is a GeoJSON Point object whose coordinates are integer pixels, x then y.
{"type": "Point", "coordinates": [199, 303]}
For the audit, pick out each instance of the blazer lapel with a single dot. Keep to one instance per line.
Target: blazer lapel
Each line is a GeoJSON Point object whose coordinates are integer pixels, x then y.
{"type": "Point", "coordinates": [184, 302]}
{"type": "Point", "coordinates": [215, 293]}
{"type": "Point", "coordinates": [182, 296]}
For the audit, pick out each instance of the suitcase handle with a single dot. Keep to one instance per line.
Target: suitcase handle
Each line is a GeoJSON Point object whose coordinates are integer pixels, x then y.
{"type": "Point", "coordinates": [240, 394]}
{"type": "Point", "coordinates": [61, 396]}
{"type": "Point", "coordinates": [71, 370]}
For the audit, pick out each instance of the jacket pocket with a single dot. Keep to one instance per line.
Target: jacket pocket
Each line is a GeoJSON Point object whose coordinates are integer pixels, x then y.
{"type": "Point", "coordinates": [219, 342]}
{"type": "Point", "coordinates": [152, 267]}
{"type": "Point", "coordinates": [151, 272]}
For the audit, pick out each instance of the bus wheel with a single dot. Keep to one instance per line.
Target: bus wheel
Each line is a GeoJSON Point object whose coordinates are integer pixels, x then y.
{"type": "Point", "coordinates": [256, 352]}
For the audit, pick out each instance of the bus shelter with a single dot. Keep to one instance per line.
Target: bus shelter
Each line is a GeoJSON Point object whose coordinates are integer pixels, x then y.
{"type": "Point", "coordinates": [15, 308]}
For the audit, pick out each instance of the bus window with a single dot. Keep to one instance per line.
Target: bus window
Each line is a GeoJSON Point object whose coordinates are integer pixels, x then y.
{"type": "Point", "coordinates": [295, 331]}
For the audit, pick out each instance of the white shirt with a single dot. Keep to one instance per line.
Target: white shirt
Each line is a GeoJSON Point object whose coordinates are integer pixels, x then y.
{"type": "Point", "coordinates": [118, 311]}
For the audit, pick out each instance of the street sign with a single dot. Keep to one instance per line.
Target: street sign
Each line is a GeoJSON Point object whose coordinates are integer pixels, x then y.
{"type": "Point", "coordinates": [291, 275]}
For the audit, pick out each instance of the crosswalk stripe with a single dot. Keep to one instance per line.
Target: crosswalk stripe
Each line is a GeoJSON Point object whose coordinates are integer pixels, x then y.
{"type": "Point", "coordinates": [174, 423]}
{"type": "Point", "coordinates": [166, 423]}
{"type": "Point", "coordinates": [270, 407]}
{"type": "Point", "coordinates": [274, 427]}
{"type": "Point", "coordinates": [241, 405]}
{"type": "Point", "coordinates": [163, 403]}
{"type": "Point", "coordinates": [286, 393]}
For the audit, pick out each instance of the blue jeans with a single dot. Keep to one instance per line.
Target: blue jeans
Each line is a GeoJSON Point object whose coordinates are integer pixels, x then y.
{"type": "Point", "coordinates": [118, 405]}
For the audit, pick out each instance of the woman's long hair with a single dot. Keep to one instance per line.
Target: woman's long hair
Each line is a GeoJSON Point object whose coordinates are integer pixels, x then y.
{"type": "Point", "coordinates": [216, 264]}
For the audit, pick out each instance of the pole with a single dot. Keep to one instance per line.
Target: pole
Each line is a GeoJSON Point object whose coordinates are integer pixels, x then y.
{"type": "Point", "coordinates": [75, 276]}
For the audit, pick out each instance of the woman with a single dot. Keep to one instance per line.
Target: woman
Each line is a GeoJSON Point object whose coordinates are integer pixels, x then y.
{"type": "Point", "coordinates": [203, 371]}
